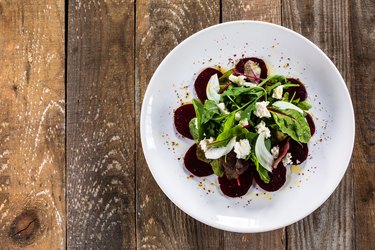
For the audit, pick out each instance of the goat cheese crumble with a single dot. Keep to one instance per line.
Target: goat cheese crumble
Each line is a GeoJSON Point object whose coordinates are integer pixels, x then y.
{"type": "Point", "coordinates": [261, 128]}
{"type": "Point", "coordinates": [261, 109]}
{"type": "Point", "coordinates": [242, 148]}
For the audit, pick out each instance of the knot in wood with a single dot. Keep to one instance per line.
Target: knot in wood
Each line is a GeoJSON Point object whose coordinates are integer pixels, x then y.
{"type": "Point", "coordinates": [25, 227]}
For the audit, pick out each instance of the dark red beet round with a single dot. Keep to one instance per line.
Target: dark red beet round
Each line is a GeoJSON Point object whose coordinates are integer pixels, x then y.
{"type": "Point", "coordinates": [194, 165]}
{"type": "Point", "coordinates": [300, 91]}
{"type": "Point", "coordinates": [200, 84]}
{"type": "Point", "coordinates": [299, 151]}
{"type": "Point", "coordinates": [277, 179]}
{"type": "Point", "coordinates": [240, 67]}
{"type": "Point", "coordinates": [311, 123]}
{"type": "Point", "coordinates": [231, 187]}
{"type": "Point", "coordinates": [182, 117]}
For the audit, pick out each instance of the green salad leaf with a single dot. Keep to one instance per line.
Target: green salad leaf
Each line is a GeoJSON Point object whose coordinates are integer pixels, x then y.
{"type": "Point", "coordinates": [224, 137]}
{"type": "Point", "coordinates": [198, 107]}
{"type": "Point", "coordinates": [193, 127]}
{"type": "Point", "coordinates": [292, 123]}
{"type": "Point", "coordinates": [229, 122]}
{"type": "Point", "coordinates": [226, 75]}
{"type": "Point", "coordinates": [209, 110]}
{"type": "Point", "coordinates": [217, 167]}
{"type": "Point", "coordinates": [263, 173]}
{"type": "Point", "coordinates": [304, 105]}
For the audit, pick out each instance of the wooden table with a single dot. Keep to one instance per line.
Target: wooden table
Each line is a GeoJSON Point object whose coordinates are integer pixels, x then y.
{"type": "Point", "coordinates": [72, 79]}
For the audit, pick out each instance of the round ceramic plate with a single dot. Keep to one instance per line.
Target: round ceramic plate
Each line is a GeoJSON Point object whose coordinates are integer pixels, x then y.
{"type": "Point", "coordinates": [285, 52]}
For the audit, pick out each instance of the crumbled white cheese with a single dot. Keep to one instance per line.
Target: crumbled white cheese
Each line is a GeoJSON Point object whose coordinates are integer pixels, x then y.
{"type": "Point", "coordinates": [242, 148]}
{"type": "Point", "coordinates": [287, 159]}
{"type": "Point", "coordinates": [261, 109]}
{"type": "Point", "coordinates": [240, 81]}
{"type": "Point", "coordinates": [278, 92]}
{"type": "Point", "coordinates": [237, 116]}
{"type": "Point", "coordinates": [244, 122]}
{"type": "Point", "coordinates": [233, 78]}
{"type": "Point", "coordinates": [275, 152]}
{"type": "Point", "coordinates": [222, 108]}
{"type": "Point", "coordinates": [204, 143]}
{"type": "Point", "coordinates": [249, 84]}
{"type": "Point", "coordinates": [261, 128]}
{"type": "Point", "coordinates": [298, 162]}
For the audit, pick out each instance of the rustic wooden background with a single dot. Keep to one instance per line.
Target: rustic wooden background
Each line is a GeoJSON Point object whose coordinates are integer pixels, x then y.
{"type": "Point", "coordinates": [72, 78]}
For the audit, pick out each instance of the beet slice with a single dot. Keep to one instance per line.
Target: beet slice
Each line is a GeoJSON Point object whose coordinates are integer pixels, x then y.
{"type": "Point", "coordinates": [277, 179]}
{"type": "Point", "coordinates": [300, 91]}
{"type": "Point", "coordinates": [299, 151]}
{"type": "Point", "coordinates": [240, 67]}
{"type": "Point", "coordinates": [182, 117]}
{"type": "Point", "coordinates": [311, 123]}
{"type": "Point", "coordinates": [194, 165]}
{"type": "Point", "coordinates": [232, 189]}
{"type": "Point", "coordinates": [200, 84]}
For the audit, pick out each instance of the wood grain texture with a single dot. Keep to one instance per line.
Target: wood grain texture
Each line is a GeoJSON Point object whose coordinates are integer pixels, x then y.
{"type": "Point", "coordinates": [269, 11]}
{"type": "Point", "coordinates": [32, 132]}
{"type": "Point", "coordinates": [100, 125]}
{"type": "Point", "coordinates": [363, 92]}
{"type": "Point", "coordinates": [327, 24]}
{"type": "Point", "coordinates": [260, 10]}
{"type": "Point", "coordinates": [161, 25]}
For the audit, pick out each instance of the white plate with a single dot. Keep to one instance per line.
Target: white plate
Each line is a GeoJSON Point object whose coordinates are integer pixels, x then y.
{"type": "Point", "coordinates": [285, 52]}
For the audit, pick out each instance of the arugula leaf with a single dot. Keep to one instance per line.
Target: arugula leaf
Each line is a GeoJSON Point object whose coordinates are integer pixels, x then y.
{"type": "Point", "coordinates": [229, 122]}
{"type": "Point", "coordinates": [273, 79]}
{"type": "Point", "coordinates": [194, 129]}
{"type": "Point", "coordinates": [272, 87]}
{"type": "Point", "coordinates": [209, 110]}
{"type": "Point", "coordinates": [224, 137]}
{"type": "Point", "coordinates": [235, 91]}
{"type": "Point", "coordinates": [285, 97]}
{"type": "Point", "coordinates": [217, 167]}
{"type": "Point", "coordinates": [251, 136]}
{"type": "Point", "coordinates": [198, 107]}
{"type": "Point", "coordinates": [267, 142]}
{"type": "Point", "coordinates": [292, 123]}
{"type": "Point", "coordinates": [304, 105]}
{"type": "Point", "coordinates": [288, 85]}
{"type": "Point", "coordinates": [226, 75]}
{"type": "Point", "coordinates": [263, 173]}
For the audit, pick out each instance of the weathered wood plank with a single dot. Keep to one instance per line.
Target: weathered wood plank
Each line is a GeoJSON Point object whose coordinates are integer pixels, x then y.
{"type": "Point", "coordinates": [269, 11]}
{"type": "Point", "coordinates": [261, 10]}
{"type": "Point", "coordinates": [100, 125]}
{"type": "Point", "coordinates": [362, 19]}
{"type": "Point", "coordinates": [32, 134]}
{"type": "Point", "coordinates": [160, 224]}
{"type": "Point", "coordinates": [326, 23]}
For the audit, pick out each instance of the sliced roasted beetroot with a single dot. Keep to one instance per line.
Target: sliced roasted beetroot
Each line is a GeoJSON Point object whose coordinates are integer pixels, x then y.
{"type": "Point", "coordinates": [194, 165]}
{"type": "Point", "coordinates": [240, 67]}
{"type": "Point", "coordinates": [299, 151]}
{"type": "Point", "coordinates": [200, 84]}
{"type": "Point", "coordinates": [182, 117]}
{"type": "Point", "coordinates": [277, 179]}
{"type": "Point", "coordinates": [300, 92]}
{"type": "Point", "coordinates": [236, 187]}
{"type": "Point", "coordinates": [311, 123]}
